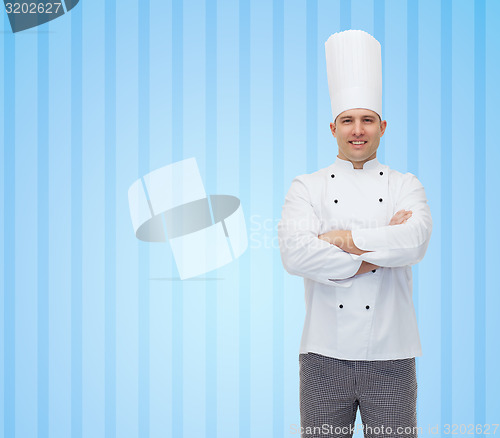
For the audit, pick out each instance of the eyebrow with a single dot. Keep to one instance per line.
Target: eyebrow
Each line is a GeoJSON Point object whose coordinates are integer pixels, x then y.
{"type": "Point", "coordinates": [363, 117]}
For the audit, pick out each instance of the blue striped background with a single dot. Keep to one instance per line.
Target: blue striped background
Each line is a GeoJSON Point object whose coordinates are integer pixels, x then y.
{"type": "Point", "coordinates": [98, 338]}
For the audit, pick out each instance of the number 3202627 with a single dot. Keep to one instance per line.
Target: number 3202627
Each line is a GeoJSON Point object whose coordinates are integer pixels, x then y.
{"type": "Point", "coordinates": [32, 8]}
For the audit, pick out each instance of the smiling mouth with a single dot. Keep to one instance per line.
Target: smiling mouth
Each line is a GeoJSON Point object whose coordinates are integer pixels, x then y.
{"type": "Point", "coordinates": [357, 143]}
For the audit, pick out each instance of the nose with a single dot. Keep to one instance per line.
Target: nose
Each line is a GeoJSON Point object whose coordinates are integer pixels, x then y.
{"type": "Point", "coordinates": [357, 128]}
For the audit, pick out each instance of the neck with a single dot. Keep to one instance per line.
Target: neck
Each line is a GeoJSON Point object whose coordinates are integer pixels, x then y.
{"type": "Point", "coordinates": [357, 164]}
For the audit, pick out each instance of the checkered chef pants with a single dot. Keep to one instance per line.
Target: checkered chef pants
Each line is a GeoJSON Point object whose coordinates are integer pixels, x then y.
{"type": "Point", "coordinates": [332, 389]}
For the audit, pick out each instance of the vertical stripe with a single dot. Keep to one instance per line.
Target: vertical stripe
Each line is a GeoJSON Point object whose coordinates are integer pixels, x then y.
{"type": "Point", "coordinates": [446, 212]}
{"type": "Point", "coordinates": [43, 232]}
{"type": "Point", "coordinates": [211, 172]}
{"type": "Point", "coordinates": [412, 109]}
{"type": "Point", "coordinates": [160, 154]}
{"type": "Point", "coordinates": [177, 153]}
{"type": "Point", "coordinates": [60, 227]}
{"type": "Point", "coordinates": [76, 223]}
{"type": "Point", "coordinates": [9, 175]}
{"type": "Point", "coordinates": [278, 158]}
{"type": "Point", "coordinates": [379, 34]}
{"type": "Point", "coordinates": [464, 295]}
{"type": "Point", "coordinates": [345, 14]}
{"type": "Point", "coordinates": [143, 160]}
{"type": "Point", "coordinates": [479, 211]}
{"type": "Point", "coordinates": [311, 88]}
{"type": "Point", "coordinates": [328, 22]}
{"type": "Point", "coordinates": [244, 145]}
{"type": "Point", "coordinates": [93, 349]}
{"type": "Point", "coordinates": [493, 210]}
{"type": "Point", "coordinates": [110, 219]}
{"type": "Point", "coordinates": [26, 239]}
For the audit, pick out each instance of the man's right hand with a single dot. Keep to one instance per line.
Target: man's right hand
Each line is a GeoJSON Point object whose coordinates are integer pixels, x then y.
{"type": "Point", "coordinates": [399, 218]}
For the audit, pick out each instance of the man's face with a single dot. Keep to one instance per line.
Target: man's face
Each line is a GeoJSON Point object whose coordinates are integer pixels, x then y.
{"type": "Point", "coordinates": [358, 133]}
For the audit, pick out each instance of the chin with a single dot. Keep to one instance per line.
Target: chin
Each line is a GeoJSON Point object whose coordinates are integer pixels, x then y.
{"type": "Point", "coordinates": [356, 157]}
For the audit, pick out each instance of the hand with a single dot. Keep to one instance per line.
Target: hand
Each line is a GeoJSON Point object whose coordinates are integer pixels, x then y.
{"type": "Point", "coordinates": [366, 267]}
{"type": "Point", "coordinates": [343, 240]}
{"type": "Point", "coordinates": [330, 236]}
{"type": "Point", "coordinates": [400, 217]}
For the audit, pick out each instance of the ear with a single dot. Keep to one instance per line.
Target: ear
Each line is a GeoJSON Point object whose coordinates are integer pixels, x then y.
{"type": "Point", "coordinates": [383, 125]}
{"type": "Point", "coordinates": [333, 128]}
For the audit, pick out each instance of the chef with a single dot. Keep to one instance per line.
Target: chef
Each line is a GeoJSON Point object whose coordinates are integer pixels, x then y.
{"type": "Point", "coordinates": [353, 230]}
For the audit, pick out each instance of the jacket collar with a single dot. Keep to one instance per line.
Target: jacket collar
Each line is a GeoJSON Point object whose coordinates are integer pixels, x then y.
{"type": "Point", "coordinates": [347, 165]}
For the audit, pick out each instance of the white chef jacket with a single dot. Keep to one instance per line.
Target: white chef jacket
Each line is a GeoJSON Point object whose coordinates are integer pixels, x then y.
{"type": "Point", "coordinates": [356, 317]}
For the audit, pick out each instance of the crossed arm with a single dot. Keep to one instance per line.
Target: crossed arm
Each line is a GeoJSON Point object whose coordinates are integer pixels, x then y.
{"type": "Point", "coordinates": [338, 255]}
{"type": "Point", "coordinates": [343, 240]}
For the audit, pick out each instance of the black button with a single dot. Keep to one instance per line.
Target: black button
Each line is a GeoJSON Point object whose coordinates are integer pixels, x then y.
{"type": "Point", "coordinates": [381, 173]}
{"type": "Point", "coordinates": [341, 306]}
{"type": "Point", "coordinates": [380, 199]}
{"type": "Point", "coordinates": [336, 200]}
{"type": "Point", "coordinates": [332, 175]}
{"type": "Point", "coordinates": [374, 270]}
{"type": "Point", "coordinates": [367, 307]}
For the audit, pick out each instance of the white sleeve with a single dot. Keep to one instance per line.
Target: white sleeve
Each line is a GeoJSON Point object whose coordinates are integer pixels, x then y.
{"type": "Point", "coordinates": [399, 245]}
{"type": "Point", "coordinates": [302, 252]}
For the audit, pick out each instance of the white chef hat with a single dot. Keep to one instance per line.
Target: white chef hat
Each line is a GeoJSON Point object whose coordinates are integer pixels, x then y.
{"type": "Point", "coordinates": [354, 68]}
